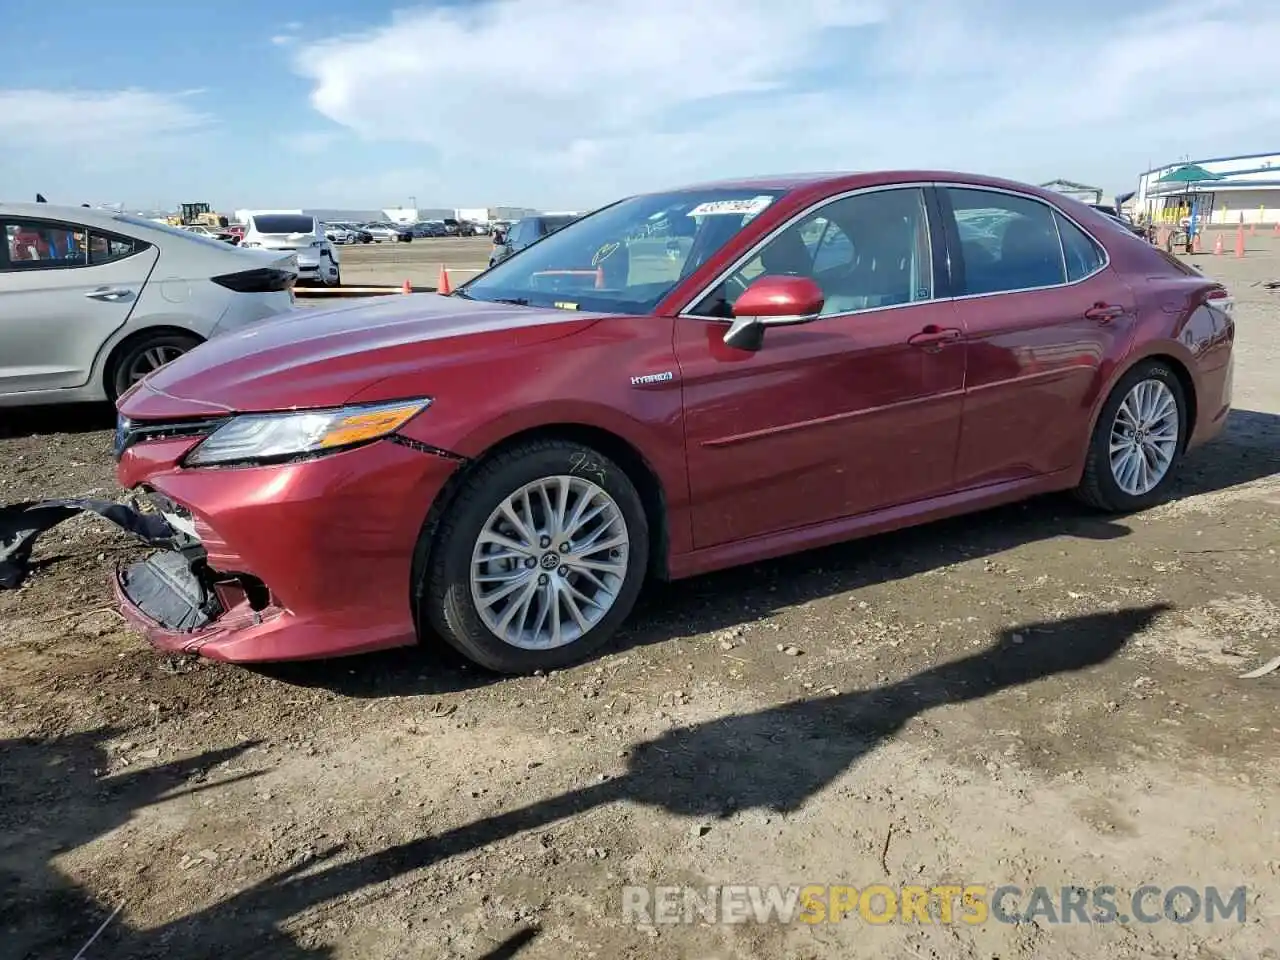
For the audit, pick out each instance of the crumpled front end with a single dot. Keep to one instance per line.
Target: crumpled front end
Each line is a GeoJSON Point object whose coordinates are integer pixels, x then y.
{"type": "Point", "coordinates": [299, 560]}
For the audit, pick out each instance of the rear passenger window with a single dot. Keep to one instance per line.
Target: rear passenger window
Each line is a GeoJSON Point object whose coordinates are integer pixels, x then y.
{"type": "Point", "coordinates": [1083, 254]}
{"type": "Point", "coordinates": [1008, 242]}
{"type": "Point", "coordinates": [37, 245]}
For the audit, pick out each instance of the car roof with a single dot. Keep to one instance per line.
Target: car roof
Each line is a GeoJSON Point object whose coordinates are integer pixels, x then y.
{"type": "Point", "coordinates": [852, 180]}
{"type": "Point", "coordinates": [89, 216]}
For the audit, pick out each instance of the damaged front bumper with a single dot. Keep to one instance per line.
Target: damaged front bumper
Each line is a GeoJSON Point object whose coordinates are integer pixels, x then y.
{"type": "Point", "coordinates": [295, 561]}
{"type": "Point", "coordinates": [176, 598]}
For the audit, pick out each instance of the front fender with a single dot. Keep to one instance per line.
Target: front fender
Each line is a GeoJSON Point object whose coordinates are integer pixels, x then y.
{"type": "Point", "coordinates": [657, 438]}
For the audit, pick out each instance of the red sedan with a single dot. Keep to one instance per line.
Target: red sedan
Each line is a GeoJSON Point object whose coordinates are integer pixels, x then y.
{"type": "Point", "coordinates": [677, 383]}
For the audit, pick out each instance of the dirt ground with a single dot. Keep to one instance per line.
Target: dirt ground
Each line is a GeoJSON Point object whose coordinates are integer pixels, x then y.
{"type": "Point", "coordinates": [1036, 696]}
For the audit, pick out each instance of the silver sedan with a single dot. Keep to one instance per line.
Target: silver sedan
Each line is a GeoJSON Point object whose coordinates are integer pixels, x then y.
{"type": "Point", "coordinates": [92, 300]}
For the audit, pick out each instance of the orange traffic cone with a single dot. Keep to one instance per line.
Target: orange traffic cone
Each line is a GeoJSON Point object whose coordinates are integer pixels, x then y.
{"type": "Point", "coordinates": [1217, 246]}
{"type": "Point", "coordinates": [1253, 229]}
{"type": "Point", "coordinates": [442, 286]}
{"type": "Point", "coordinates": [1276, 231]}
{"type": "Point", "coordinates": [599, 278]}
{"type": "Point", "coordinates": [1195, 243]}
{"type": "Point", "coordinates": [1240, 240]}
{"type": "Point", "coordinates": [406, 287]}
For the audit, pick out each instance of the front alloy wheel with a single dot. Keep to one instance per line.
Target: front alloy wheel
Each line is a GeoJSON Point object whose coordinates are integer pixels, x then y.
{"type": "Point", "coordinates": [549, 562]}
{"type": "Point", "coordinates": [536, 560]}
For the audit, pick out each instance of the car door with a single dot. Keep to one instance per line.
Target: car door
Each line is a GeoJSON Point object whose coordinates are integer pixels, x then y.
{"type": "Point", "coordinates": [853, 412]}
{"type": "Point", "coordinates": [64, 289]}
{"type": "Point", "coordinates": [1044, 313]}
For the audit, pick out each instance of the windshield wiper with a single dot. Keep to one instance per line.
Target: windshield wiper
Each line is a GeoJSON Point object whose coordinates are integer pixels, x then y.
{"type": "Point", "coordinates": [514, 301]}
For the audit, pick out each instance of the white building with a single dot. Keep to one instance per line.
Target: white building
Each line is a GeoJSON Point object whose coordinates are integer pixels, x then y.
{"type": "Point", "coordinates": [490, 214]}
{"type": "Point", "coordinates": [1222, 189]}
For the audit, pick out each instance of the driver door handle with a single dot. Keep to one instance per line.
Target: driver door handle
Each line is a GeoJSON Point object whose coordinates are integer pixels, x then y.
{"type": "Point", "coordinates": [109, 293]}
{"type": "Point", "coordinates": [934, 335]}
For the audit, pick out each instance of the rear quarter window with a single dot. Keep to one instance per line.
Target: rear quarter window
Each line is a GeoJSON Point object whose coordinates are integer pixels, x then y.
{"type": "Point", "coordinates": [1083, 254]}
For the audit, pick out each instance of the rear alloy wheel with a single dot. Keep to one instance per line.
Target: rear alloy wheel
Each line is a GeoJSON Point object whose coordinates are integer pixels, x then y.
{"type": "Point", "coordinates": [145, 355]}
{"type": "Point", "coordinates": [538, 560]}
{"type": "Point", "coordinates": [1139, 438]}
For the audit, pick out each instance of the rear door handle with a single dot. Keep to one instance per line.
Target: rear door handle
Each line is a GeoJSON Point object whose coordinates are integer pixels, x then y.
{"type": "Point", "coordinates": [933, 335]}
{"type": "Point", "coordinates": [109, 293]}
{"type": "Point", "coordinates": [1104, 312]}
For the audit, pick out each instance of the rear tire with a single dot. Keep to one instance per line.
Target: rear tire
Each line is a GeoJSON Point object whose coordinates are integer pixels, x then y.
{"type": "Point", "coordinates": [143, 355]}
{"type": "Point", "coordinates": [1153, 444]}
{"type": "Point", "coordinates": [565, 595]}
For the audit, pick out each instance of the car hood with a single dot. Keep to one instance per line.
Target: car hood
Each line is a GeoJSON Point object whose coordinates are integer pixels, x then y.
{"type": "Point", "coordinates": [321, 358]}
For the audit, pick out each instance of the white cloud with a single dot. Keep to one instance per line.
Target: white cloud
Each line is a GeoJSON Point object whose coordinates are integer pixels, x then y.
{"type": "Point", "coordinates": [282, 40]}
{"type": "Point", "coordinates": [128, 122]}
{"type": "Point", "coordinates": [574, 101]}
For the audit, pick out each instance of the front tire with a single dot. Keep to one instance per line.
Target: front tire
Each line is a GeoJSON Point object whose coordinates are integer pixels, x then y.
{"type": "Point", "coordinates": [1138, 441]}
{"type": "Point", "coordinates": [538, 559]}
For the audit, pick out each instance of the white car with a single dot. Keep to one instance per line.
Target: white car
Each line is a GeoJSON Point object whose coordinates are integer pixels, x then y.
{"type": "Point", "coordinates": [296, 233]}
{"type": "Point", "coordinates": [92, 301]}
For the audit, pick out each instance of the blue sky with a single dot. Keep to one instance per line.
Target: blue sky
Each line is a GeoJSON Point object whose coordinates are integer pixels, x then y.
{"type": "Point", "coordinates": [569, 103]}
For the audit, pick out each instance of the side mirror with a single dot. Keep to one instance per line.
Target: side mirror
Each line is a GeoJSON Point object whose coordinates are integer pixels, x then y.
{"type": "Point", "coordinates": [772, 301]}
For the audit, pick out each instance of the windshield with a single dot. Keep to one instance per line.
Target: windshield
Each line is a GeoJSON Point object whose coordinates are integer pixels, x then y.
{"type": "Point", "coordinates": [626, 257]}
{"type": "Point", "coordinates": [283, 223]}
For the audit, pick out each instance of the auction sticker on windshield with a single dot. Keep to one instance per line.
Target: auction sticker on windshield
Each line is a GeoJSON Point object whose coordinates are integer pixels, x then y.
{"type": "Point", "coordinates": [714, 208]}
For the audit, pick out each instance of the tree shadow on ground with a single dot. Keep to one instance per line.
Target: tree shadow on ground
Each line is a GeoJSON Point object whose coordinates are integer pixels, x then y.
{"type": "Point", "coordinates": [774, 759]}
{"type": "Point", "coordinates": [56, 799]}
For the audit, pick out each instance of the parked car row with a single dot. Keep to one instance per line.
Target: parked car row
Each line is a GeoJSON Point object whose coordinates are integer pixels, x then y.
{"type": "Point", "coordinates": [344, 232]}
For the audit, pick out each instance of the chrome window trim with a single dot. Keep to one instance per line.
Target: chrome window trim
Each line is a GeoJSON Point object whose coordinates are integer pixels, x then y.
{"type": "Point", "coordinates": [1106, 254]}
{"type": "Point", "coordinates": [768, 238]}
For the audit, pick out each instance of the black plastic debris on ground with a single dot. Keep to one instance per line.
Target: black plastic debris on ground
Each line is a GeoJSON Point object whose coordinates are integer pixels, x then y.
{"type": "Point", "coordinates": [21, 525]}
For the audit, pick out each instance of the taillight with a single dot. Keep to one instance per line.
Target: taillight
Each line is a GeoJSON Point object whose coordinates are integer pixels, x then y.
{"type": "Point", "coordinates": [1221, 298]}
{"type": "Point", "coordinates": [261, 280]}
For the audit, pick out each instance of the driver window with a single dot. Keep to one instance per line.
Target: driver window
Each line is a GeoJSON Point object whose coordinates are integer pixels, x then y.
{"type": "Point", "coordinates": [867, 251]}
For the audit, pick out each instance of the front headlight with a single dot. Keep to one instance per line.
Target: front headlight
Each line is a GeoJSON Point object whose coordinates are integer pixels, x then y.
{"type": "Point", "coordinates": [260, 438]}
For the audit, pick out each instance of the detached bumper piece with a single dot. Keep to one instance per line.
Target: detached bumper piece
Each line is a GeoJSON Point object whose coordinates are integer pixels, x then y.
{"type": "Point", "coordinates": [168, 589]}
{"type": "Point", "coordinates": [21, 524]}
